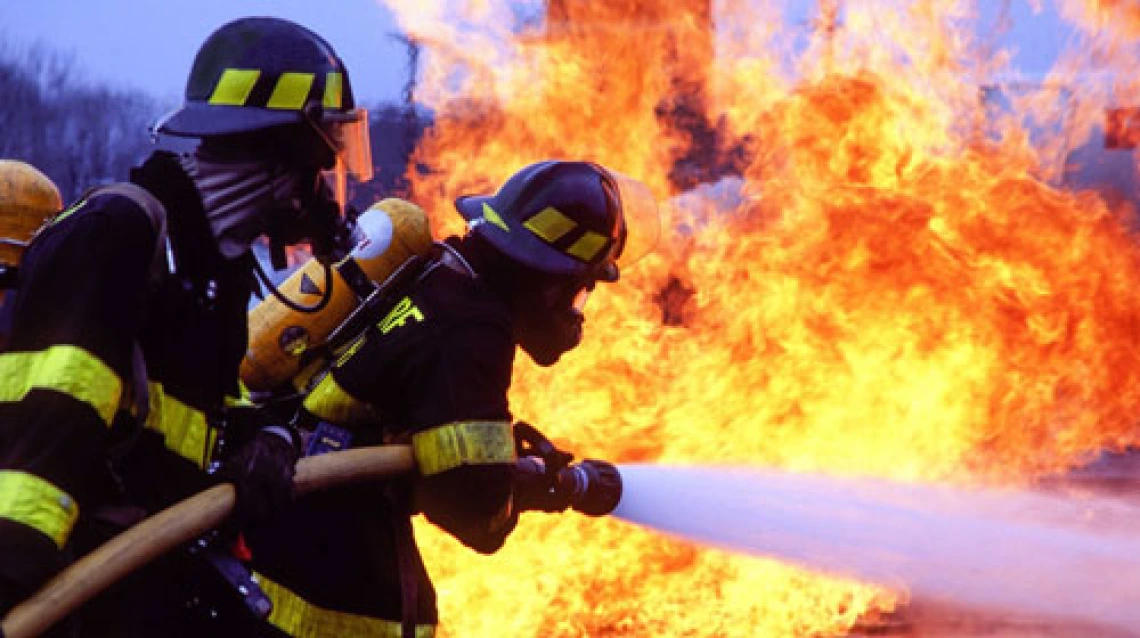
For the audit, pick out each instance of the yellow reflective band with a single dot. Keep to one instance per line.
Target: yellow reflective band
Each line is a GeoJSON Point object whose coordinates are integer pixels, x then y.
{"type": "Point", "coordinates": [67, 213]}
{"type": "Point", "coordinates": [184, 429]}
{"type": "Point", "coordinates": [298, 617]}
{"type": "Point", "coordinates": [334, 90]}
{"type": "Point", "coordinates": [550, 224]}
{"type": "Point", "coordinates": [32, 501]}
{"type": "Point", "coordinates": [330, 402]}
{"type": "Point", "coordinates": [588, 246]}
{"type": "Point", "coordinates": [352, 349]}
{"type": "Point", "coordinates": [450, 446]}
{"type": "Point", "coordinates": [70, 370]}
{"type": "Point", "coordinates": [234, 87]}
{"type": "Point", "coordinates": [399, 316]}
{"type": "Point", "coordinates": [490, 215]}
{"type": "Point", "coordinates": [291, 91]}
{"type": "Point", "coordinates": [243, 401]}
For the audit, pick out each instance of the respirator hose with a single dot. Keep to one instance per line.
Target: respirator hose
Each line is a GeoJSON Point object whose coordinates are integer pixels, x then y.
{"type": "Point", "coordinates": [289, 303]}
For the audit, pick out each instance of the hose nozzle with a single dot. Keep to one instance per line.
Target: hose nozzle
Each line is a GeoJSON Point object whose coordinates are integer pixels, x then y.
{"type": "Point", "coordinates": [594, 486]}
{"type": "Point", "coordinates": [548, 481]}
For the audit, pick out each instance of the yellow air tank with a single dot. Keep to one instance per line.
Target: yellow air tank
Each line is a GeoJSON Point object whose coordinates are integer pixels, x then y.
{"type": "Point", "coordinates": [27, 200]}
{"type": "Point", "coordinates": [393, 230]}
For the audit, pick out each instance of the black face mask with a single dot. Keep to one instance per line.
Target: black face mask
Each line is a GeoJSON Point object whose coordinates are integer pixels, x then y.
{"type": "Point", "coordinates": [315, 218]}
{"type": "Point", "coordinates": [311, 213]}
{"type": "Point", "coordinates": [548, 318]}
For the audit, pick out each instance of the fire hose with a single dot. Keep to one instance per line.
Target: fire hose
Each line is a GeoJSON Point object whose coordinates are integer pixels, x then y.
{"type": "Point", "coordinates": [180, 524]}
{"type": "Point", "coordinates": [591, 487]}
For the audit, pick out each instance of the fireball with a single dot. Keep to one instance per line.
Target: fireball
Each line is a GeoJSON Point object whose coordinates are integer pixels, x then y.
{"type": "Point", "coordinates": [864, 271]}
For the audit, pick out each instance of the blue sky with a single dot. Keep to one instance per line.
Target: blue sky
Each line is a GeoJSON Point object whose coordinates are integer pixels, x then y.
{"type": "Point", "coordinates": [150, 44]}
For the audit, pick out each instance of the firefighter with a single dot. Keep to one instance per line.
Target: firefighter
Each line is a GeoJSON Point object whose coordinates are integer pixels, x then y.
{"type": "Point", "coordinates": [130, 316]}
{"type": "Point", "coordinates": [28, 198]}
{"type": "Point", "coordinates": [435, 370]}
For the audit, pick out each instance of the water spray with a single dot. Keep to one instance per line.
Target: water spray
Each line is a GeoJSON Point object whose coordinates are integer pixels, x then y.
{"type": "Point", "coordinates": [1040, 555]}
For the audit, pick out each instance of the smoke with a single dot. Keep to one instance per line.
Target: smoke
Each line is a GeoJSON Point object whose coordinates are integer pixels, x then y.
{"type": "Point", "coordinates": [1023, 553]}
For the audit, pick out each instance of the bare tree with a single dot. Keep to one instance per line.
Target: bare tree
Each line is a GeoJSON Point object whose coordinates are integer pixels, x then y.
{"type": "Point", "coordinates": [77, 133]}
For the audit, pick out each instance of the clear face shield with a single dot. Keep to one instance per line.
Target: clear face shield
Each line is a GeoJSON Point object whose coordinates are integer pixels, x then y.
{"type": "Point", "coordinates": [347, 134]}
{"type": "Point", "coordinates": [639, 228]}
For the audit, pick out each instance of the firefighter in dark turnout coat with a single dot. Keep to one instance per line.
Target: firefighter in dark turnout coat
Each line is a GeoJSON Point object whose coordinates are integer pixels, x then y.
{"type": "Point", "coordinates": [129, 322]}
{"type": "Point", "coordinates": [435, 371]}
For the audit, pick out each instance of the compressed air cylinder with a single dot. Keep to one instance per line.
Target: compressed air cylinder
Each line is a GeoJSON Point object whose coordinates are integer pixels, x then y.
{"type": "Point", "coordinates": [393, 230]}
{"type": "Point", "coordinates": [27, 200]}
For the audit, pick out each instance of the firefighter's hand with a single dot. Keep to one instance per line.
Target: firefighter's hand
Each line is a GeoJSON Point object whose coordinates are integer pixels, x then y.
{"type": "Point", "coordinates": [262, 472]}
{"type": "Point", "coordinates": [536, 489]}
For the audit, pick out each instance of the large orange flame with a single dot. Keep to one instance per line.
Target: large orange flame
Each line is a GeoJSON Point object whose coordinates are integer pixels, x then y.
{"type": "Point", "coordinates": [887, 287]}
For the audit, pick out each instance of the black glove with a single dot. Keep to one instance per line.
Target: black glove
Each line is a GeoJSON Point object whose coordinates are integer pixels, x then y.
{"type": "Point", "coordinates": [538, 489]}
{"type": "Point", "coordinates": [262, 472]}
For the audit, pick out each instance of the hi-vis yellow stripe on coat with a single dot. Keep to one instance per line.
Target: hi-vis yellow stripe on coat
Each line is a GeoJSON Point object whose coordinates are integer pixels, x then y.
{"type": "Point", "coordinates": [32, 501]}
{"type": "Point", "coordinates": [330, 402]}
{"type": "Point", "coordinates": [298, 617]}
{"type": "Point", "coordinates": [185, 430]}
{"type": "Point", "coordinates": [447, 447]}
{"type": "Point", "coordinates": [66, 369]}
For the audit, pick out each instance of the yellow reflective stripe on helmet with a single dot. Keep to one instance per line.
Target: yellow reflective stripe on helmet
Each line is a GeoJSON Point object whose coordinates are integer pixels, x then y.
{"type": "Point", "coordinates": [298, 617]}
{"type": "Point", "coordinates": [291, 91]}
{"type": "Point", "coordinates": [185, 429]}
{"type": "Point", "coordinates": [588, 246]}
{"type": "Point", "coordinates": [490, 215]}
{"type": "Point", "coordinates": [447, 447]}
{"type": "Point", "coordinates": [334, 90]}
{"type": "Point", "coordinates": [550, 224]}
{"type": "Point", "coordinates": [330, 402]}
{"type": "Point", "coordinates": [234, 87]}
{"type": "Point", "coordinates": [30, 500]}
{"type": "Point", "coordinates": [67, 369]}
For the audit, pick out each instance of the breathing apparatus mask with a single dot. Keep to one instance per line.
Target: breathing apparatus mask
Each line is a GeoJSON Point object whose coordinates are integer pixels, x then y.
{"type": "Point", "coordinates": [329, 148]}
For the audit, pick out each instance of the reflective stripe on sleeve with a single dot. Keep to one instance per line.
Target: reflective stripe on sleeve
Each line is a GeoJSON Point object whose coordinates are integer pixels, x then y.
{"type": "Point", "coordinates": [30, 500]}
{"type": "Point", "coordinates": [67, 369]}
{"type": "Point", "coordinates": [298, 617]}
{"type": "Point", "coordinates": [185, 430]}
{"type": "Point", "coordinates": [449, 446]}
{"type": "Point", "coordinates": [330, 402]}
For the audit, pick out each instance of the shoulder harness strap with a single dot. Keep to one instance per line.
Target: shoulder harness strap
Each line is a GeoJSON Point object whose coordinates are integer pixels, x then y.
{"type": "Point", "coordinates": [156, 212]}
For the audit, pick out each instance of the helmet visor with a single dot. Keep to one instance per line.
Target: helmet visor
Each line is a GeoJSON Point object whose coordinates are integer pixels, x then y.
{"type": "Point", "coordinates": [639, 228]}
{"type": "Point", "coordinates": [349, 137]}
{"type": "Point", "coordinates": [351, 141]}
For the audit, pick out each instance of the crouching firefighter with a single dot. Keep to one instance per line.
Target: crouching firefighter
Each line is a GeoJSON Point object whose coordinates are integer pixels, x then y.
{"type": "Point", "coordinates": [129, 322]}
{"type": "Point", "coordinates": [434, 369]}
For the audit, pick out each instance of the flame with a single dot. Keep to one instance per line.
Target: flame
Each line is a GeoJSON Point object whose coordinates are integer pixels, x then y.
{"type": "Point", "coordinates": [884, 284]}
{"type": "Point", "coordinates": [1115, 16]}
